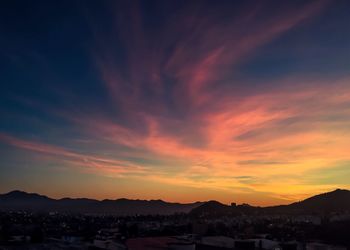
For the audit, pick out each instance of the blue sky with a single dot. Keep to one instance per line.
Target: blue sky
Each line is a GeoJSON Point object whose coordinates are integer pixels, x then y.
{"type": "Point", "coordinates": [179, 100]}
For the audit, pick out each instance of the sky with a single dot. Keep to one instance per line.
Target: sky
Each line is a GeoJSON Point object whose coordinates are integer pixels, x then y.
{"type": "Point", "coordinates": [235, 101]}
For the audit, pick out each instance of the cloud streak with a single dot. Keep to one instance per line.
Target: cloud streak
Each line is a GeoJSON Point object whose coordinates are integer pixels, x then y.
{"type": "Point", "coordinates": [93, 163]}
{"type": "Point", "coordinates": [180, 113]}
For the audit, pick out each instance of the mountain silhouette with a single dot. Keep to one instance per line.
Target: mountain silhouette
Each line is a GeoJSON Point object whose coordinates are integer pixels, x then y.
{"type": "Point", "coordinates": [19, 200]}
{"type": "Point", "coordinates": [335, 201]}
{"type": "Point", "coordinates": [211, 208]}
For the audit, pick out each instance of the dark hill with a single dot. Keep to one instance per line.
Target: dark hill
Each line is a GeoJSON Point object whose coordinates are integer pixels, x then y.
{"type": "Point", "coordinates": [16, 194]}
{"type": "Point", "coordinates": [211, 208]}
{"type": "Point", "coordinates": [19, 200]}
{"type": "Point", "coordinates": [335, 201]}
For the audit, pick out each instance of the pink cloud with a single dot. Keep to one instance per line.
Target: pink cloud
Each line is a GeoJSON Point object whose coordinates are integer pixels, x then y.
{"type": "Point", "coordinates": [199, 127]}
{"type": "Point", "coordinates": [96, 163]}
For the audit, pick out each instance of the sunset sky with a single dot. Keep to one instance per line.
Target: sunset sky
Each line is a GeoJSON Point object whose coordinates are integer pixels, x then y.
{"type": "Point", "coordinates": [244, 101]}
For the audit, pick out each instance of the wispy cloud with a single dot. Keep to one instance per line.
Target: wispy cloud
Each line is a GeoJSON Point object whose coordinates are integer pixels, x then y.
{"type": "Point", "coordinates": [181, 115]}
{"type": "Point", "coordinates": [90, 162]}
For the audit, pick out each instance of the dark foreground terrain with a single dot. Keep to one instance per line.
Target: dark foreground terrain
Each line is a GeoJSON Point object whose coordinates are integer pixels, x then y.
{"type": "Point", "coordinates": [319, 223]}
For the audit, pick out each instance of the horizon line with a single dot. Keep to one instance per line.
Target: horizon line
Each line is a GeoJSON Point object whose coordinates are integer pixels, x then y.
{"type": "Point", "coordinates": [172, 202]}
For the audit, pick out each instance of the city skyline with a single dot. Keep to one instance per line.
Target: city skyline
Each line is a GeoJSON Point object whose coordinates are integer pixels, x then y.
{"type": "Point", "coordinates": [183, 101]}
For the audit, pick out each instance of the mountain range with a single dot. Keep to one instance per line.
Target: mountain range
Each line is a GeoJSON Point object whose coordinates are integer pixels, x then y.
{"type": "Point", "coordinates": [19, 200]}
{"type": "Point", "coordinates": [335, 201]}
